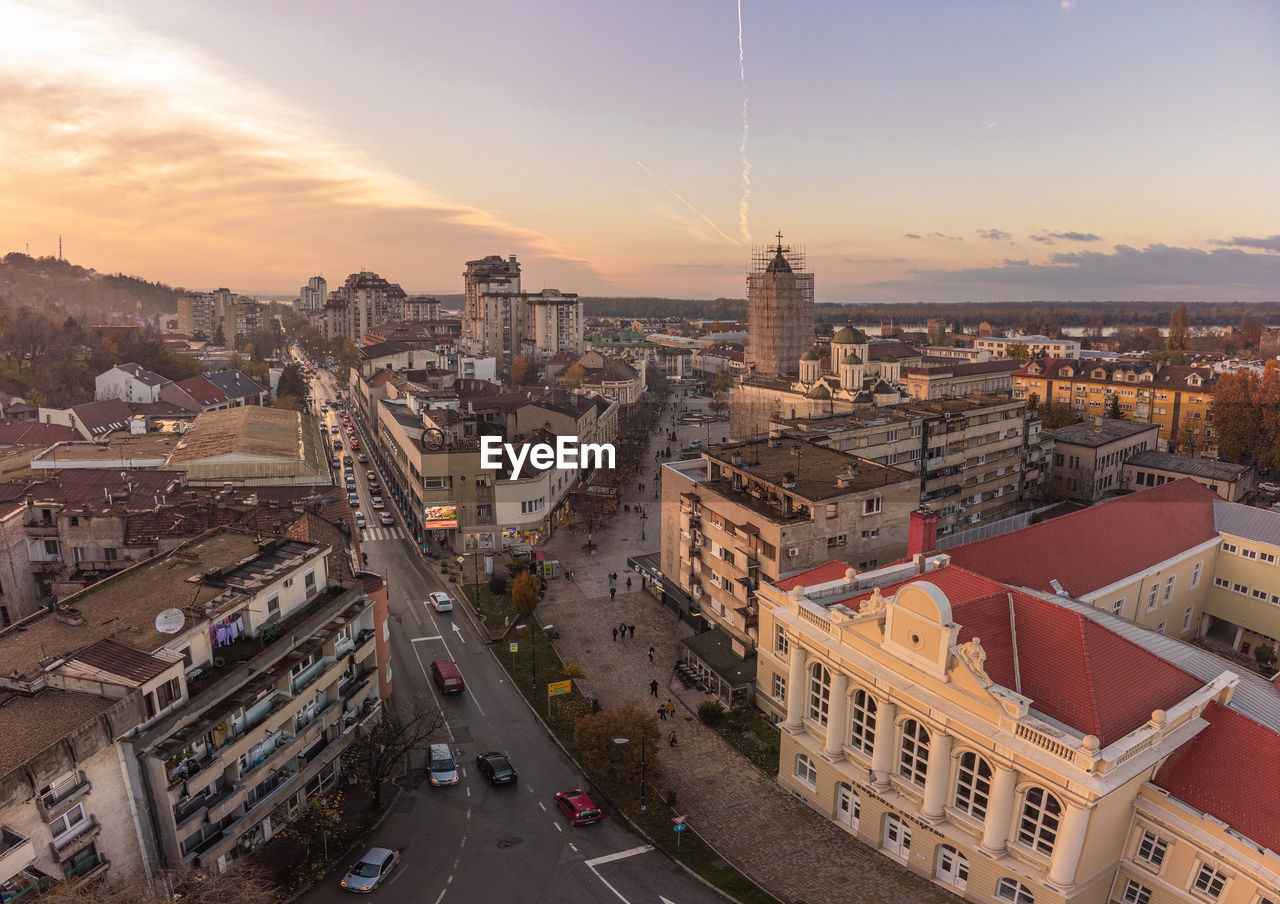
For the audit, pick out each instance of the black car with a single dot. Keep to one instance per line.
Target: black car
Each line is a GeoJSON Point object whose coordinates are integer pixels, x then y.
{"type": "Point", "coordinates": [496, 768]}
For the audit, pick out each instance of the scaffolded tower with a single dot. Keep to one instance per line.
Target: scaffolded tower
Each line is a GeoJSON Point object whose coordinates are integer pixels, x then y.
{"type": "Point", "coordinates": [779, 309]}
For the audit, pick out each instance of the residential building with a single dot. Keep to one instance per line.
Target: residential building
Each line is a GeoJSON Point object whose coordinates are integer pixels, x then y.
{"type": "Point", "coordinates": [238, 388]}
{"type": "Point", "coordinates": [745, 513]}
{"type": "Point", "coordinates": [419, 308]}
{"type": "Point", "coordinates": [128, 383]}
{"type": "Point", "coordinates": [195, 394]}
{"type": "Point", "coordinates": [206, 314]}
{"type": "Point", "coordinates": [1088, 457]}
{"type": "Point", "coordinates": [965, 354]}
{"type": "Point", "coordinates": [361, 303]}
{"type": "Point", "coordinates": [614, 380]}
{"type": "Point", "coordinates": [491, 326]}
{"type": "Point", "coordinates": [779, 309]}
{"type": "Point", "coordinates": [943, 381]}
{"type": "Point", "coordinates": [1149, 469]}
{"type": "Point", "coordinates": [1037, 346]}
{"type": "Point", "coordinates": [1176, 398]}
{"type": "Point", "coordinates": [552, 324]}
{"type": "Point", "coordinates": [984, 764]}
{"type": "Point", "coordinates": [314, 294]}
{"type": "Point", "coordinates": [92, 420]}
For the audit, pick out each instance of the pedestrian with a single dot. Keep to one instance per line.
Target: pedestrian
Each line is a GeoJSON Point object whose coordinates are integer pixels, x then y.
{"type": "Point", "coordinates": [672, 740]}
{"type": "Point", "coordinates": [622, 629]}
{"type": "Point", "coordinates": [632, 630]}
{"type": "Point", "coordinates": [628, 585]}
{"type": "Point", "coordinates": [615, 635]}
{"type": "Point", "coordinates": [662, 713]}
{"type": "Point", "coordinates": [653, 687]}
{"type": "Point", "coordinates": [651, 656]}
{"type": "Point", "coordinates": [671, 708]}
{"type": "Point", "coordinates": [613, 593]}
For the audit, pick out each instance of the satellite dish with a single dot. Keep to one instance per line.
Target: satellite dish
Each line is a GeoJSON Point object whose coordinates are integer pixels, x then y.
{"type": "Point", "coordinates": [170, 621]}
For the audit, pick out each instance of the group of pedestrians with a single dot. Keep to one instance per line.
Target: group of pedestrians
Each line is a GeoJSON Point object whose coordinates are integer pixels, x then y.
{"type": "Point", "coordinates": [613, 589]}
{"type": "Point", "coordinates": [622, 630]}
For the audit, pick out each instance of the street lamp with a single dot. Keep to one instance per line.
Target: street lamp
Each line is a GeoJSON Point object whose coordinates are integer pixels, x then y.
{"type": "Point", "coordinates": [620, 742]}
{"type": "Point", "coordinates": [533, 658]}
{"type": "Point", "coordinates": [643, 516]}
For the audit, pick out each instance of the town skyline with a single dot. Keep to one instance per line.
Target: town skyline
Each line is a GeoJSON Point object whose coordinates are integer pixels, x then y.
{"type": "Point", "coordinates": [984, 153]}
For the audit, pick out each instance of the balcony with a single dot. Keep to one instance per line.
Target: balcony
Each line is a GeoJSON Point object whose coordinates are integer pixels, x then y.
{"type": "Point", "coordinates": [89, 868]}
{"type": "Point", "coordinates": [55, 803]}
{"type": "Point", "coordinates": [311, 673]}
{"type": "Point", "coordinates": [16, 852]}
{"type": "Point", "coordinates": [65, 848]}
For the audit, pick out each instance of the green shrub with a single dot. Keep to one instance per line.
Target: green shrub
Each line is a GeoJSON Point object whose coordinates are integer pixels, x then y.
{"type": "Point", "coordinates": [710, 712]}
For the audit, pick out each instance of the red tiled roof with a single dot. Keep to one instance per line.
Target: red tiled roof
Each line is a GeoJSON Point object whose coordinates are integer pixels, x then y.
{"type": "Point", "coordinates": [1073, 668]}
{"type": "Point", "coordinates": [30, 433]}
{"type": "Point", "coordinates": [120, 659]}
{"type": "Point", "coordinates": [822, 574]}
{"type": "Point", "coordinates": [1098, 546]}
{"type": "Point", "coordinates": [203, 391]}
{"type": "Point", "coordinates": [1231, 771]}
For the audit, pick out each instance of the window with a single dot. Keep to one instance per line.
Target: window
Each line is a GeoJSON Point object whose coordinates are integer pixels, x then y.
{"type": "Point", "coordinates": [781, 643]}
{"type": "Point", "coordinates": [1230, 547]}
{"type": "Point", "coordinates": [819, 693]}
{"type": "Point", "coordinates": [1118, 607]}
{"type": "Point", "coordinates": [484, 512]}
{"type": "Point", "coordinates": [51, 548]}
{"type": "Point", "coordinates": [273, 605]}
{"type": "Point", "coordinates": [1195, 575]}
{"type": "Point", "coordinates": [309, 581]}
{"type": "Point", "coordinates": [1160, 627]}
{"type": "Point", "coordinates": [1012, 890]}
{"type": "Point", "coordinates": [168, 692]}
{"type": "Point", "coordinates": [913, 757]}
{"type": "Point", "coordinates": [67, 823]}
{"type": "Point", "coordinates": [872, 534]}
{"type": "Point", "coordinates": [833, 509]}
{"type": "Point", "coordinates": [779, 688]}
{"type": "Point", "coordinates": [953, 867]}
{"type": "Point", "coordinates": [1136, 893]}
{"type": "Point", "coordinates": [862, 733]}
{"type": "Point", "coordinates": [872, 506]}
{"type": "Point", "coordinates": [1186, 619]}
{"type": "Point", "coordinates": [1221, 582]}
{"type": "Point", "coordinates": [1209, 881]}
{"type": "Point", "coordinates": [805, 770]}
{"type": "Point", "coordinates": [973, 785]}
{"type": "Point", "coordinates": [1038, 827]}
{"type": "Point", "coordinates": [1153, 596]}
{"type": "Point", "coordinates": [110, 553]}
{"type": "Point", "coordinates": [1151, 850]}
{"type": "Point", "coordinates": [839, 540]}
{"type": "Point", "coordinates": [1168, 588]}
{"type": "Point", "coordinates": [1267, 557]}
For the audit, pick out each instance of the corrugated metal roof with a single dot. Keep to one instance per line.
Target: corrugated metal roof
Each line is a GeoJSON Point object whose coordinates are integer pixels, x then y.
{"type": "Point", "coordinates": [1247, 521]}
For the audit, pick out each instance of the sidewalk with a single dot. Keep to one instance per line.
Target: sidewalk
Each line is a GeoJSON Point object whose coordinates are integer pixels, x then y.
{"type": "Point", "coordinates": [790, 850]}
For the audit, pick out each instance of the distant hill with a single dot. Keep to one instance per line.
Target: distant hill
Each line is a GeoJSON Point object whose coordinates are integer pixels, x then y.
{"type": "Point", "coordinates": [51, 285]}
{"type": "Point", "coordinates": [693, 308]}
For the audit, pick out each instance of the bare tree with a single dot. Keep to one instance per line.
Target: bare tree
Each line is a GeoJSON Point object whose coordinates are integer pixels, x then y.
{"type": "Point", "coordinates": [242, 882]}
{"type": "Point", "coordinates": [388, 742]}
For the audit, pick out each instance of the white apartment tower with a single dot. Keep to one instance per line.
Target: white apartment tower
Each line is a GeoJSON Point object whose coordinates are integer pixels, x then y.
{"type": "Point", "coordinates": [492, 319]}
{"type": "Point", "coordinates": [553, 324]}
{"type": "Point", "coordinates": [313, 295]}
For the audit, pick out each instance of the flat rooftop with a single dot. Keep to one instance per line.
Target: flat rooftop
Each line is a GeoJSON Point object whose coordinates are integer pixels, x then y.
{"type": "Point", "coordinates": [814, 467]}
{"type": "Point", "coordinates": [1189, 465]}
{"type": "Point", "coordinates": [1097, 432]}
{"type": "Point", "coordinates": [121, 450]}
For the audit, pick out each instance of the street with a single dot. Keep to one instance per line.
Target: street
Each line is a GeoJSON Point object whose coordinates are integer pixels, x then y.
{"type": "Point", "coordinates": [471, 842]}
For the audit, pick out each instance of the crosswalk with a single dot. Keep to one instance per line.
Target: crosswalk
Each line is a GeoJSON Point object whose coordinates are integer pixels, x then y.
{"type": "Point", "coordinates": [382, 533]}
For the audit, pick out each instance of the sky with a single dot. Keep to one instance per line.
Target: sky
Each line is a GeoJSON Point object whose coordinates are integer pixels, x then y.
{"type": "Point", "coordinates": [917, 151]}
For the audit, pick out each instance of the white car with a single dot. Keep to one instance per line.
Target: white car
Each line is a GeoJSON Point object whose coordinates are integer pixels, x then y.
{"type": "Point", "coordinates": [1270, 489]}
{"type": "Point", "coordinates": [441, 602]}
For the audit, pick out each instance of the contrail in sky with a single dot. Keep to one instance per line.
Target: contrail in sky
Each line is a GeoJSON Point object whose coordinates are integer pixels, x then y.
{"type": "Point", "coordinates": [685, 203]}
{"type": "Point", "coordinates": [744, 204]}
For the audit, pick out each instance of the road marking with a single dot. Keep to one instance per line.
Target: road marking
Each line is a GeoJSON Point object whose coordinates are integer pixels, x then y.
{"type": "Point", "coordinates": [463, 842]}
{"type": "Point", "coordinates": [441, 898]}
{"type": "Point", "coordinates": [468, 814]}
{"type": "Point", "coordinates": [425, 639]}
{"type": "Point", "coordinates": [529, 788]}
{"type": "Point", "coordinates": [439, 705]}
{"type": "Point", "coordinates": [544, 806]}
{"type": "Point", "coordinates": [449, 881]}
{"type": "Point", "coordinates": [557, 825]}
{"type": "Point", "coordinates": [468, 792]}
{"type": "Point", "coordinates": [456, 862]}
{"type": "Point", "coordinates": [573, 847]}
{"type": "Point", "coordinates": [621, 855]}
{"type": "Point", "coordinates": [458, 631]}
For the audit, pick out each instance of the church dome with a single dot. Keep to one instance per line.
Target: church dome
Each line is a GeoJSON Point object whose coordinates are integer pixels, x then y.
{"type": "Point", "coordinates": [820, 392]}
{"type": "Point", "coordinates": [811, 355]}
{"type": "Point", "coordinates": [849, 336]}
{"type": "Point", "coordinates": [852, 359]}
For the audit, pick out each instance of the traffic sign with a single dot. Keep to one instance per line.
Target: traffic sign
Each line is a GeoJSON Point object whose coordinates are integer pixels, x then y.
{"type": "Point", "coordinates": [514, 647]}
{"type": "Point", "coordinates": [461, 560]}
{"type": "Point", "coordinates": [679, 827]}
{"type": "Point", "coordinates": [559, 687]}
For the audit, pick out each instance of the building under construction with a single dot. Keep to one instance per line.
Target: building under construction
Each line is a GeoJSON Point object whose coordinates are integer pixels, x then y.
{"type": "Point", "coordinates": [779, 309]}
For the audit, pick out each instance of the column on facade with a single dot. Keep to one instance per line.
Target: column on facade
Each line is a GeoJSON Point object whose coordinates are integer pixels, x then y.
{"type": "Point", "coordinates": [886, 739]}
{"type": "Point", "coordinates": [938, 778]}
{"type": "Point", "coordinates": [796, 688]}
{"type": "Point", "coordinates": [837, 717]}
{"type": "Point", "coordinates": [995, 829]}
{"type": "Point", "coordinates": [1068, 846]}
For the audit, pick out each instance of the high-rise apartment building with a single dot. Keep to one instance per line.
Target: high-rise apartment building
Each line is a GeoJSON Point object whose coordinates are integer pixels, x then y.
{"type": "Point", "coordinates": [779, 309]}
{"type": "Point", "coordinates": [553, 324]}
{"type": "Point", "coordinates": [313, 295]}
{"type": "Point", "coordinates": [488, 285]}
{"type": "Point", "coordinates": [208, 313]}
{"type": "Point", "coordinates": [364, 301]}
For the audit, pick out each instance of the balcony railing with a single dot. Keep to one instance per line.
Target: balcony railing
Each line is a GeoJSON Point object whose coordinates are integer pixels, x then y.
{"type": "Point", "coordinates": [55, 803]}
{"type": "Point", "coordinates": [65, 848]}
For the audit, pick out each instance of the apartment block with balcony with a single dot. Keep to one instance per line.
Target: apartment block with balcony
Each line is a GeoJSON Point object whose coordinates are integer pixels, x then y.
{"type": "Point", "coordinates": [1088, 458]}
{"type": "Point", "coordinates": [986, 765]}
{"type": "Point", "coordinates": [747, 513]}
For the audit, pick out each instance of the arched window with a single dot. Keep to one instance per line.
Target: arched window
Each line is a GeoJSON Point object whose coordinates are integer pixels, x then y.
{"type": "Point", "coordinates": [1012, 890]}
{"type": "Point", "coordinates": [819, 693]}
{"type": "Point", "coordinates": [805, 770]}
{"type": "Point", "coordinates": [913, 757]}
{"type": "Point", "coordinates": [862, 730]}
{"type": "Point", "coordinates": [973, 785]}
{"type": "Point", "coordinates": [1038, 827]}
{"type": "Point", "coordinates": [953, 867]}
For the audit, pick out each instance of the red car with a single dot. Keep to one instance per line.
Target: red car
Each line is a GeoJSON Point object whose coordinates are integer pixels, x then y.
{"type": "Point", "coordinates": [579, 807]}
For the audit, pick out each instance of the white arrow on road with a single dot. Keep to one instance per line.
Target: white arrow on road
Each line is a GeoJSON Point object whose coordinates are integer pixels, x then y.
{"type": "Point", "coordinates": [458, 631]}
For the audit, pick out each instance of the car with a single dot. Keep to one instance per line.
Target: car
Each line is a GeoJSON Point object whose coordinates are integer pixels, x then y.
{"type": "Point", "coordinates": [351, 485]}
{"type": "Point", "coordinates": [364, 459]}
{"type": "Point", "coordinates": [337, 444]}
{"type": "Point", "coordinates": [385, 518]}
{"type": "Point", "coordinates": [374, 489]}
{"type": "Point", "coordinates": [1269, 488]}
{"type": "Point", "coordinates": [496, 768]}
{"type": "Point", "coordinates": [441, 767]}
{"type": "Point", "coordinates": [370, 870]}
{"type": "Point", "coordinates": [370, 476]}
{"type": "Point", "coordinates": [441, 602]}
{"type": "Point", "coordinates": [333, 429]}
{"type": "Point", "coordinates": [360, 519]}
{"type": "Point", "coordinates": [377, 502]}
{"type": "Point", "coordinates": [348, 474]}
{"type": "Point", "coordinates": [355, 444]}
{"type": "Point", "coordinates": [353, 498]}
{"type": "Point", "coordinates": [579, 807]}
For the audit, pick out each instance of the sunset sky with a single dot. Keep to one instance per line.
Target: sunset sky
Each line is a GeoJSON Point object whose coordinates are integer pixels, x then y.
{"type": "Point", "coordinates": [919, 151]}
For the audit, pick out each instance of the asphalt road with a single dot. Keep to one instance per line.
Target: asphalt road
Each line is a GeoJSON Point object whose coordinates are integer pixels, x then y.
{"type": "Point", "coordinates": [472, 842]}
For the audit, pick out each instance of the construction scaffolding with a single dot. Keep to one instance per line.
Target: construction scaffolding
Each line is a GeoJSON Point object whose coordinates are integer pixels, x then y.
{"type": "Point", "coordinates": [779, 308]}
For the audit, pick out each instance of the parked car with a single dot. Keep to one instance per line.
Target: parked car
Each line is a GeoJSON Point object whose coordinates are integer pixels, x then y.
{"type": "Point", "coordinates": [368, 873]}
{"type": "Point", "coordinates": [360, 519]}
{"type": "Point", "coordinates": [441, 602]}
{"type": "Point", "coordinates": [1271, 489]}
{"type": "Point", "coordinates": [496, 768]}
{"type": "Point", "coordinates": [440, 766]}
{"type": "Point", "coordinates": [385, 518]}
{"type": "Point", "coordinates": [579, 807]}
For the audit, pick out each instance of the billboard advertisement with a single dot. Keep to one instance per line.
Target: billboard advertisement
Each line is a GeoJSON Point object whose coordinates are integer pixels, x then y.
{"type": "Point", "coordinates": [440, 516]}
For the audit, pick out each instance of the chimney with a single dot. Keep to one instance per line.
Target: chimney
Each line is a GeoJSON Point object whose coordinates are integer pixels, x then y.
{"type": "Point", "coordinates": [922, 533]}
{"type": "Point", "coordinates": [1097, 423]}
